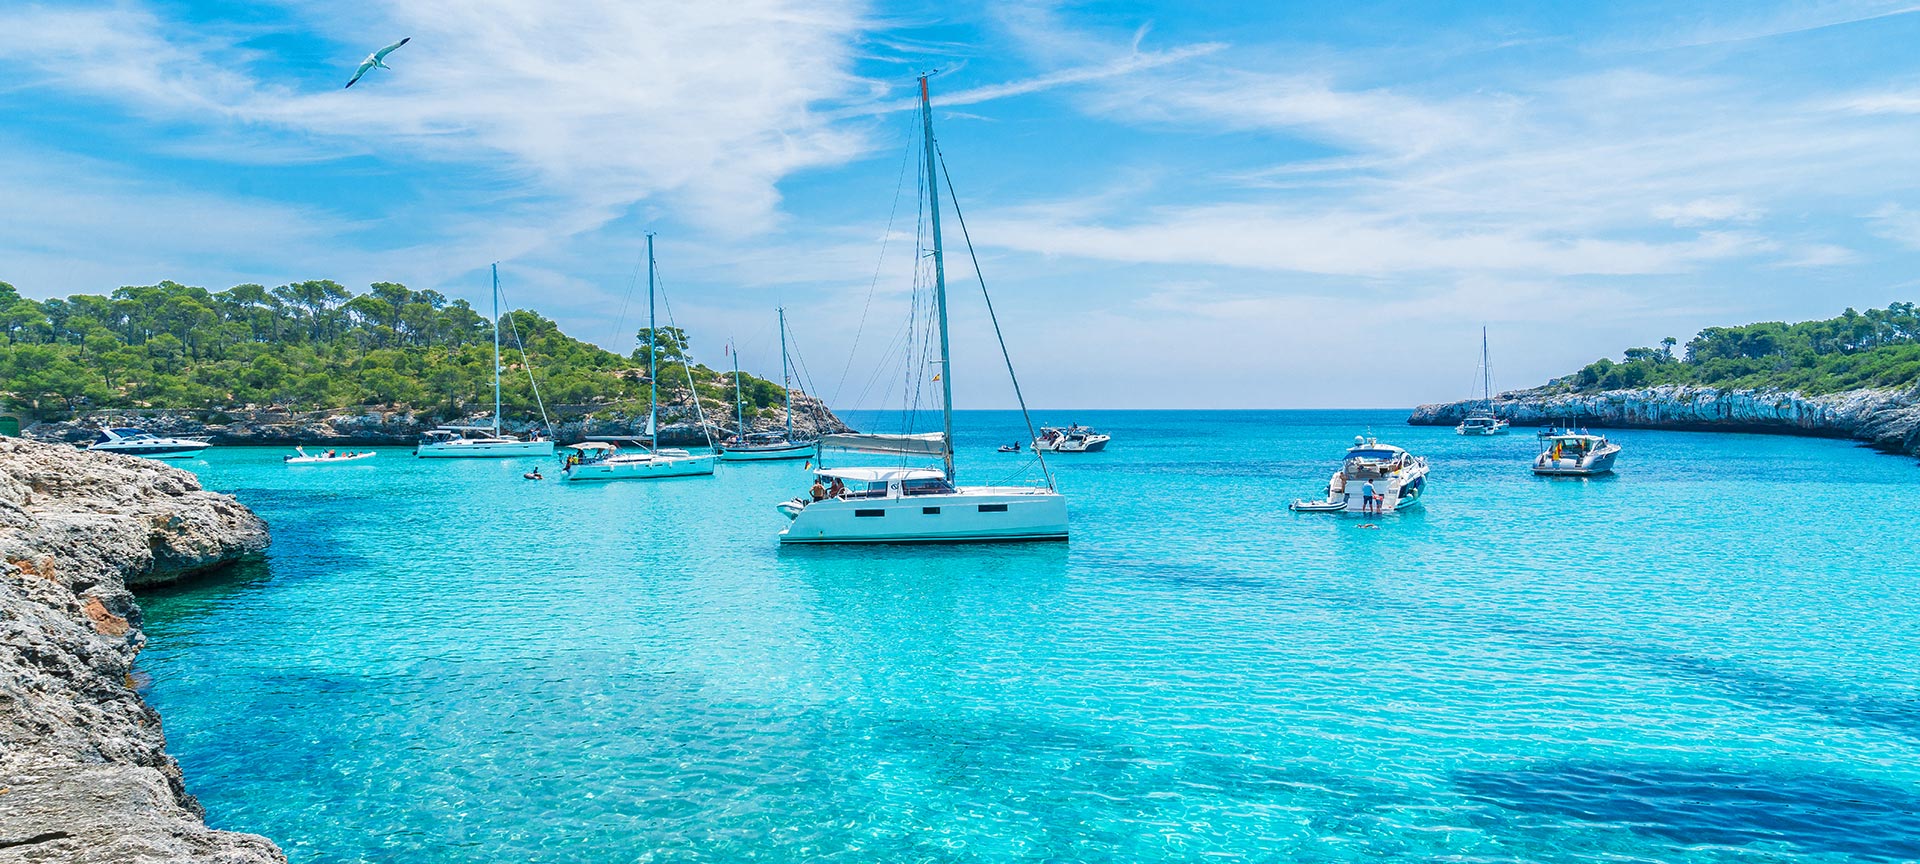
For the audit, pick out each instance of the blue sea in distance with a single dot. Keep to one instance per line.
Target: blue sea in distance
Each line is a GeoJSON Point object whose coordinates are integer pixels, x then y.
{"type": "Point", "coordinates": [1712, 656]}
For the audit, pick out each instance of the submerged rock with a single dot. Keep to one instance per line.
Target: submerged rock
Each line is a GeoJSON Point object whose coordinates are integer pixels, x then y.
{"type": "Point", "coordinates": [84, 774]}
{"type": "Point", "coordinates": [1887, 419]}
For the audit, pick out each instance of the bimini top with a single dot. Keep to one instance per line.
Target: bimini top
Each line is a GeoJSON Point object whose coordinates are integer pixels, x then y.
{"type": "Point", "coordinates": [882, 475]}
{"type": "Point", "coordinates": [591, 445]}
{"type": "Point", "coordinates": [1571, 437]}
{"type": "Point", "coordinates": [929, 443]}
{"type": "Point", "coordinates": [463, 429]}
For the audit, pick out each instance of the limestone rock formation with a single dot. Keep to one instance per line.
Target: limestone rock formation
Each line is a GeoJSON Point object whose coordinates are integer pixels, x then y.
{"type": "Point", "coordinates": [84, 774]}
{"type": "Point", "coordinates": [1887, 419]}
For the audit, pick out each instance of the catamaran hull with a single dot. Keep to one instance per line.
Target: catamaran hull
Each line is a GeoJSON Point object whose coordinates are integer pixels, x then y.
{"type": "Point", "coordinates": [639, 469]}
{"type": "Point", "coordinates": [488, 450]}
{"type": "Point", "coordinates": [769, 454]}
{"type": "Point", "coordinates": [975, 517]}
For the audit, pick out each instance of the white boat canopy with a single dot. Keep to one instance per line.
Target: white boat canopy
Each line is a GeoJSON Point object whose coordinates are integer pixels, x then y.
{"type": "Point", "coordinates": [925, 444]}
{"type": "Point", "coordinates": [882, 475]}
{"type": "Point", "coordinates": [1569, 437]}
{"type": "Point", "coordinates": [591, 445]}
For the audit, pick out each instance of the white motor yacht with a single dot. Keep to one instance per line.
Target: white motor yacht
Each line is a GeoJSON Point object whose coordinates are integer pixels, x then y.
{"type": "Point", "coordinates": [135, 442]}
{"type": "Point", "coordinates": [1398, 478]}
{"type": "Point", "coordinates": [1575, 454]}
{"type": "Point", "coordinates": [898, 503]}
{"type": "Point", "coordinates": [327, 457]}
{"type": "Point", "coordinates": [1482, 420]}
{"type": "Point", "coordinates": [1070, 439]}
{"type": "Point", "coordinates": [487, 442]}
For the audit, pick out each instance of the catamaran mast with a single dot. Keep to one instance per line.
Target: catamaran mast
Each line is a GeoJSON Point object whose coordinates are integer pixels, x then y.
{"type": "Point", "coordinates": [939, 278]}
{"type": "Point", "coordinates": [496, 350]}
{"type": "Point", "coordinates": [786, 378]}
{"type": "Point", "coordinates": [653, 344]}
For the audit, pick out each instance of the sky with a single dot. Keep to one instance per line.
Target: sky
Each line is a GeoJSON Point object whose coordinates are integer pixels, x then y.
{"type": "Point", "coordinates": [1175, 204]}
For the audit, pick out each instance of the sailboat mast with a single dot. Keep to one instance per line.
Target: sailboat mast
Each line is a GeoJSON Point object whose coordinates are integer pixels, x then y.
{"type": "Point", "coordinates": [739, 404]}
{"type": "Point", "coordinates": [653, 344]}
{"type": "Point", "coordinates": [939, 277]}
{"type": "Point", "coordinates": [496, 350]}
{"type": "Point", "coordinates": [786, 378]}
{"type": "Point", "coordinates": [1486, 371]}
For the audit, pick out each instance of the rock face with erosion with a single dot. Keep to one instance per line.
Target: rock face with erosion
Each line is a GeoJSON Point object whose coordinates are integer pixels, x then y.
{"type": "Point", "coordinates": [84, 774]}
{"type": "Point", "coordinates": [1886, 419]}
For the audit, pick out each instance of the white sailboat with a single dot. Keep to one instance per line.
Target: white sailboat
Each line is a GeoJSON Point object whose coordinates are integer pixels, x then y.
{"type": "Point", "coordinates": [900, 504]}
{"type": "Point", "coordinates": [610, 458]}
{"type": "Point", "coordinates": [765, 446]}
{"type": "Point", "coordinates": [454, 442]}
{"type": "Point", "coordinates": [1483, 421]}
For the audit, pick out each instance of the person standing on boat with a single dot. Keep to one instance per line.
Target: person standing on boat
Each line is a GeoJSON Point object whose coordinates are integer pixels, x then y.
{"type": "Point", "coordinates": [1367, 505]}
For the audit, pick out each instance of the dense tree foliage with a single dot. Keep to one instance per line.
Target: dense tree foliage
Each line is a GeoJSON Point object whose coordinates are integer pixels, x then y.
{"type": "Point", "coordinates": [1875, 348]}
{"type": "Point", "coordinates": [316, 345]}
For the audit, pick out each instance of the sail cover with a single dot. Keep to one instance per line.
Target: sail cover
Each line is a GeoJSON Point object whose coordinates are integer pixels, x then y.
{"type": "Point", "coordinates": [928, 443]}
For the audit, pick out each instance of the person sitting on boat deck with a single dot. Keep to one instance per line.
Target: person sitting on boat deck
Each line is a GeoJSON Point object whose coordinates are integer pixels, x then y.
{"type": "Point", "coordinates": [819, 491]}
{"type": "Point", "coordinates": [839, 489]}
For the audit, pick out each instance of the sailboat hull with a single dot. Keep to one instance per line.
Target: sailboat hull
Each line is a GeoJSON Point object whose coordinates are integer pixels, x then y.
{"type": "Point", "coordinates": [639, 468]}
{"type": "Point", "coordinates": [483, 449]}
{"type": "Point", "coordinates": [973, 515]}
{"type": "Point", "coordinates": [769, 454]}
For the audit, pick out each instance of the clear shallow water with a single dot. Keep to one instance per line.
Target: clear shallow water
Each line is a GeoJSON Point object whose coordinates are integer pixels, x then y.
{"type": "Point", "coordinates": [1712, 656]}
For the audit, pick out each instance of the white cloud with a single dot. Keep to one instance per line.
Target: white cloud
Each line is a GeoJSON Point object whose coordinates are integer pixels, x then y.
{"type": "Point", "coordinates": [1706, 211]}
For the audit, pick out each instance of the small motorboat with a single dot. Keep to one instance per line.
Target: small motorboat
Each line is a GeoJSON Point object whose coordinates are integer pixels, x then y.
{"type": "Point", "coordinates": [1010, 448]}
{"type": "Point", "coordinates": [1575, 454]}
{"type": "Point", "coordinates": [331, 457]}
{"type": "Point", "coordinates": [1398, 478]}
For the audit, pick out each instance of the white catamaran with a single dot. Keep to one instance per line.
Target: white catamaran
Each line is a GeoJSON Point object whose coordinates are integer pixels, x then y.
{"type": "Point", "coordinates": [628, 458]}
{"type": "Point", "coordinates": [1483, 421]}
{"type": "Point", "coordinates": [900, 504]}
{"type": "Point", "coordinates": [449, 442]}
{"type": "Point", "coordinates": [765, 446]}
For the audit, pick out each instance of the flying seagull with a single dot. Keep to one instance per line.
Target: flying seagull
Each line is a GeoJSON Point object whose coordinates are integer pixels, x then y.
{"type": "Point", "coordinates": [373, 60]}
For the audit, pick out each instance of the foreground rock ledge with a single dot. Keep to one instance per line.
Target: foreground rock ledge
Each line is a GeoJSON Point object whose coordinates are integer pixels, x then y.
{"type": "Point", "coordinates": [84, 774]}
{"type": "Point", "coordinates": [1886, 419]}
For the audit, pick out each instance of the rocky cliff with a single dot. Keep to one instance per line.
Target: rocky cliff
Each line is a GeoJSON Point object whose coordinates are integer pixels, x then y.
{"type": "Point", "coordinates": [84, 775]}
{"type": "Point", "coordinates": [1886, 419]}
{"type": "Point", "coordinates": [402, 426]}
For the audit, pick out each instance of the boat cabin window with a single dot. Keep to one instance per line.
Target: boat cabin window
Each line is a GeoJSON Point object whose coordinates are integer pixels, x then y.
{"type": "Point", "coordinates": [927, 486]}
{"type": "Point", "coordinates": [993, 508]}
{"type": "Point", "coordinates": [869, 512]}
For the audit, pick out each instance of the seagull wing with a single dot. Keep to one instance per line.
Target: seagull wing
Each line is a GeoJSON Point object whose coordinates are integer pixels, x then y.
{"type": "Point", "coordinates": [382, 53]}
{"type": "Point", "coordinates": [364, 66]}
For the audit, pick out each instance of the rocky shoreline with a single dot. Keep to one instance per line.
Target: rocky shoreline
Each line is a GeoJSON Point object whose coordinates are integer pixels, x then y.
{"type": "Point", "coordinates": [84, 773]}
{"type": "Point", "coordinates": [1887, 420]}
{"type": "Point", "coordinates": [402, 426]}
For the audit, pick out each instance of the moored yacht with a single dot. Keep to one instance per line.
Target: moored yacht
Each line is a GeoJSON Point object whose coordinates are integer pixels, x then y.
{"type": "Point", "coordinates": [136, 442]}
{"type": "Point", "coordinates": [899, 503]}
{"type": "Point", "coordinates": [747, 446]}
{"type": "Point", "coordinates": [1575, 454]}
{"type": "Point", "coordinates": [1482, 420]}
{"type": "Point", "coordinates": [627, 458]}
{"type": "Point", "coordinates": [486, 442]}
{"type": "Point", "coordinates": [1071, 439]}
{"type": "Point", "coordinates": [630, 459]}
{"type": "Point", "coordinates": [1398, 478]}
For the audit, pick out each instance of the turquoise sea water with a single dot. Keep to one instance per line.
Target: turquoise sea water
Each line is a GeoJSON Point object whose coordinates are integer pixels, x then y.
{"type": "Point", "coordinates": [1712, 656]}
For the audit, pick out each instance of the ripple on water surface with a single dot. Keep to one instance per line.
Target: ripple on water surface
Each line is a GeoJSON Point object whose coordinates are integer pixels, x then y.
{"type": "Point", "coordinates": [1709, 657]}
